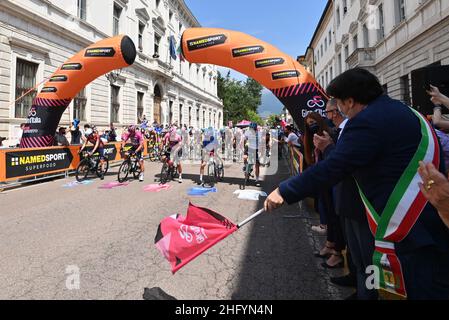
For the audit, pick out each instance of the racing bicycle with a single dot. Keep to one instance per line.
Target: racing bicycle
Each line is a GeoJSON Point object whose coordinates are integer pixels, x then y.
{"type": "Point", "coordinates": [131, 165]}
{"type": "Point", "coordinates": [90, 164]}
{"type": "Point", "coordinates": [215, 171]}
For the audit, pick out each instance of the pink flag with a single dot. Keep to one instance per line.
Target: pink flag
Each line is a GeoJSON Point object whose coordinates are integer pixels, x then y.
{"type": "Point", "coordinates": [182, 239]}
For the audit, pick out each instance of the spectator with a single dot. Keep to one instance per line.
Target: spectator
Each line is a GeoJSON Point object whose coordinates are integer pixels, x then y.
{"type": "Point", "coordinates": [1, 143]}
{"type": "Point", "coordinates": [112, 136]}
{"type": "Point", "coordinates": [75, 132]}
{"type": "Point", "coordinates": [435, 188]}
{"type": "Point", "coordinates": [316, 125]}
{"type": "Point", "coordinates": [60, 138]}
{"type": "Point", "coordinates": [377, 146]}
{"type": "Point", "coordinates": [349, 207]}
{"type": "Point", "coordinates": [292, 139]}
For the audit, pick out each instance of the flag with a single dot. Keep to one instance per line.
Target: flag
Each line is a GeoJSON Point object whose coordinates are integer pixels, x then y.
{"type": "Point", "coordinates": [172, 47]}
{"type": "Point", "coordinates": [179, 51]}
{"type": "Point", "coordinates": [181, 239]}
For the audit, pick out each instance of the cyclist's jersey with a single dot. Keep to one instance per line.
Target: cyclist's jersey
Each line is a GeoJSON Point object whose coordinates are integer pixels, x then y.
{"type": "Point", "coordinates": [254, 139]}
{"type": "Point", "coordinates": [93, 138]}
{"type": "Point", "coordinates": [172, 139]}
{"type": "Point", "coordinates": [136, 138]}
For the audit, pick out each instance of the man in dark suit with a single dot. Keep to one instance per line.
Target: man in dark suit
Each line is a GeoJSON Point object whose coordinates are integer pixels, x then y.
{"type": "Point", "coordinates": [349, 207]}
{"type": "Point", "coordinates": [377, 147]}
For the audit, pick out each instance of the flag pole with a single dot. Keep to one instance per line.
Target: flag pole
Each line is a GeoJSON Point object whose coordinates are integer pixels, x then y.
{"type": "Point", "coordinates": [258, 213]}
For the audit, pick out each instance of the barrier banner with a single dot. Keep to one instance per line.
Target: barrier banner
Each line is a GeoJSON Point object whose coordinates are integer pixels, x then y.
{"type": "Point", "coordinates": [22, 163]}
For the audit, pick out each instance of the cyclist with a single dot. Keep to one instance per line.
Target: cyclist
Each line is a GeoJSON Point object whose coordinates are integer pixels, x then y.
{"type": "Point", "coordinates": [137, 141]}
{"type": "Point", "coordinates": [173, 141]}
{"type": "Point", "coordinates": [252, 143]}
{"type": "Point", "coordinates": [209, 145]}
{"type": "Point", "coordinates": [94, 138]}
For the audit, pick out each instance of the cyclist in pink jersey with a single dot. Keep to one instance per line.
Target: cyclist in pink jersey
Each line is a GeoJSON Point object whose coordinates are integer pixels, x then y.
{"type": "Point", "coordinates": [94, 138]}
{"type": "Point", "coordinates": [137, 141]}
{"type": "Point", "coordinates": [173, 141]}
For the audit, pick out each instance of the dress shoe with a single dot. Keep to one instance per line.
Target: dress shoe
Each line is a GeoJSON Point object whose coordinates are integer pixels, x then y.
{"type": "Point", "coordinates": [345, 281]}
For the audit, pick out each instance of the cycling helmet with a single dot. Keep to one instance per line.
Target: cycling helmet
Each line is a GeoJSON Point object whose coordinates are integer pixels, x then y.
{"type": "Point", "coordinates": [88, 132]}
{"type": "Point", "coordinates": [131, 129]}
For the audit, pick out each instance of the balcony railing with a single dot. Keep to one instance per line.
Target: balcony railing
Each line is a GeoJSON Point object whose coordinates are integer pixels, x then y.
{"type": "Point", "coordinates": [362, 57]}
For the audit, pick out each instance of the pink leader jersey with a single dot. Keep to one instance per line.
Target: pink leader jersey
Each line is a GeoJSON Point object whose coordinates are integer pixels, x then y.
{"type": "Point", "coordinates": [136, 138]}
{"type": "Point", "coordinates": [173, 140]}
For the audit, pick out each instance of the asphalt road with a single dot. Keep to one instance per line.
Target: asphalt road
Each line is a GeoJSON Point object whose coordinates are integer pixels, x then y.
{"type": "Point", "coordinates": [109, 236]}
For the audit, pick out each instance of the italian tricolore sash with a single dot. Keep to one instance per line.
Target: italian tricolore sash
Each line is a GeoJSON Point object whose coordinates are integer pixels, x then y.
{"type": "Point", "coordinates": [401, 212]}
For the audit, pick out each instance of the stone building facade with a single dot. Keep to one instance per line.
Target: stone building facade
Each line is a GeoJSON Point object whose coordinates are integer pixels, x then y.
{"type": "Point", "coordinates": [37, 37]}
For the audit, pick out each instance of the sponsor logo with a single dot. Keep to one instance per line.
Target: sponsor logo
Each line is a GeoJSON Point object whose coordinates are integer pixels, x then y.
{"type": "Point", "coordinates": [14, 161]}
{"type": "Point", "coordinates": [199, 233]}
{"type": "Point", "coordinates": [206, 42]}
{"type": "Point", "coordinates": [269, 62]}
{"type": "Point", "coordinates": [316, 102]}
{"type": "Point", "coordinates": [34, 120]}
{"type": "Point", "coordinates": [285, 74]}
{"type": "Point", "coordinates": [60, 78]}
{"type": "Point", "coordinates": [32, 112]}
{"type": "Point", "coordinates": [246, 51]}
{"type": "Point", "coordinates": [36, 161]}
{"type": "Point", "coordinates": [100, 52]}
{"type": "Point", "coordinates": [72, 66]}
{"type": "Point", "coordinates": [49, 90]}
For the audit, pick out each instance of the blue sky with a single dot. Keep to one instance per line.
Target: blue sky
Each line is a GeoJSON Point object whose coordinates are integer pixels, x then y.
{"type": "Point", "coordinates": [286, 24]}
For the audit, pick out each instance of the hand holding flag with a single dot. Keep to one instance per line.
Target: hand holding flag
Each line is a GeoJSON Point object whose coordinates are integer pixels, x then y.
{"type": "Point", "coordinates": [182, 239]}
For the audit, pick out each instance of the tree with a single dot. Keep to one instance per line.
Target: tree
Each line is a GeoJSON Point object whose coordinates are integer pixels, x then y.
{"type": "Point", "coordinates": [239, 98]}
{"type": "Point", "coordinates": [254, 117]}
{"type": "Point", "coordinates": [273, 120]}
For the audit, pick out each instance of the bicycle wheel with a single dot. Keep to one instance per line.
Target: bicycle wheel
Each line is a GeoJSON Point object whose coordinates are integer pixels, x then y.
{"type": "Point", "coordinates": [247, 175]}
{"type": "Point", "coordinates": [137, 169]}
{"type": "Point", "coordinates": [165, 173]}
{"type": "Point", "coordinates": [123, 171]}
{"type": "Point", "coordinates": [82, 170]}
{"type": "Point", "coordinates": [211, 177]}
{"type": "Point", "coordinates": [98, 167]}
{"type": "Point", "coordinates": [220, 172]}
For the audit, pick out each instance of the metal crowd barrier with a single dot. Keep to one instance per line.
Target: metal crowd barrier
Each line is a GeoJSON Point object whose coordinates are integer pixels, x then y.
{"type": "Point", "coordinates": [19, 166]}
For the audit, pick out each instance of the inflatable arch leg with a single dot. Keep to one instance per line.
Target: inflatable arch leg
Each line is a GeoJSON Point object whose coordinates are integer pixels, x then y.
{"type": "Point", "coordinates": [296, 88]}
{"type": "Point", "coordinates": [87, 65]}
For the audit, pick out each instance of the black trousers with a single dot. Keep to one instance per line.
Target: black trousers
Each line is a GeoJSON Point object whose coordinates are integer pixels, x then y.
{"type": "Point", "coordinates": [361, 245]}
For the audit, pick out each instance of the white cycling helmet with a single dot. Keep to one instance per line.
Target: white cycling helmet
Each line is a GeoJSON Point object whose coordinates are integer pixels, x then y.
{"type": "Point", "coordinates": [88, 132]}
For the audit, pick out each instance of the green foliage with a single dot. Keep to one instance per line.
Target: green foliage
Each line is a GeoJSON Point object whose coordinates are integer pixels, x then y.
{"type": "Point", "coordinates": [273, 120]}
{"type": "Point", "coordinates": [241, 100]}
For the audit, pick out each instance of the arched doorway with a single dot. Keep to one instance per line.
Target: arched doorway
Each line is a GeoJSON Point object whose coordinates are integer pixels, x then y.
{"type": "Point", "coordinates": [157, 104]}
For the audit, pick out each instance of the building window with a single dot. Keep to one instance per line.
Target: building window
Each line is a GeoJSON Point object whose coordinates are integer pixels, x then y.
{"type": "Point", "coordinates": [381, 22]}
{"type": "Point", "coordinates": [139, 105]}
{"type": "Point", "coordinates": [190, 116]}
{"type": "Point", "coordinates": [81, 8]}
{"type": "Point", "coordinates": [180, 27]}
{"type": "Point", "coordinates": [405, 88]}
{"type": "Point", "coordinates": [355, 42]}
{"type": "Point", "coordinates": [115, 103]}
{"type": "Point", "coordinates": [330, 37]}
{"type": "Point", "coordinates": [399, 11]}
{"type": "Point", "coordinates": [321, 51]}
{"type": "Point", "coordinates": [141, 31]}
{"type": "Point", "coordinates": [170, 112]}
{"type": "Point", "coordinates": [170, 16]}
{"type": "Point", "coordinates": [365, 36]}
{"type": "Point", "coordinates": [157, 41]}
{"type": "Point", "coordinates": [198, 117]}
{"type": "Point", "coordinates": [346, 56]}
{"type": "Point", "coordinates": [204, 119]}
{"type": "Point", "coordinates": [25, 81]}
{"type": "Point", "coordinates": [79, 105]}
{"type": "Point", "coordinates": [116, 19]}
{"type": "Point", "coordinates": [332, 73]}
{"type": "Point", "coordinates": [325, 44]}
{"type": "Point", "coordinates": [338, 16]}
{"type": "Point", "coordinates": [340, 66]}
{"type": "Point", "coordinates": [181, 111]}
{"type": "Point", "coordinates": [345, 7]}
{"type": "Point", "coordinates": [157, 3]}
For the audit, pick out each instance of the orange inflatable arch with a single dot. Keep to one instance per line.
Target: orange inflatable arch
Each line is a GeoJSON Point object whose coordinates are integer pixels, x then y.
{"type": "Point", "coordinates": [57, 93]}
{"type": "Point", "coordinates": [295, 87]}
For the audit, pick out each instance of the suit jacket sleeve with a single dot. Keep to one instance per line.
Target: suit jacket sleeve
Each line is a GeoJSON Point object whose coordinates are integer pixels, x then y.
{"type": "Point", "coordinates": [359, 145]}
